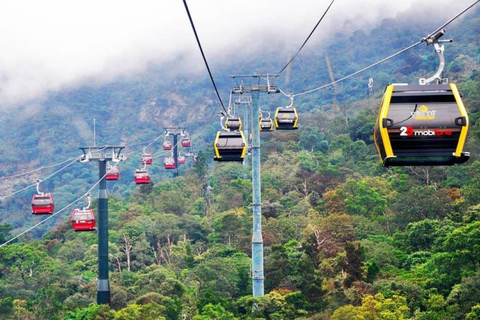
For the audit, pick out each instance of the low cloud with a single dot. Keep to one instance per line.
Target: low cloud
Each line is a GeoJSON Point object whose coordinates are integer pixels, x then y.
{"type": "Point", "coordinates": [56, 44]}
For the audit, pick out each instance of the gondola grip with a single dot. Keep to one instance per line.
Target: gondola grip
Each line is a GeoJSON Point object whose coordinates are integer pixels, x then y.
{"type": "Point", "coordinates": [461, 121]}
{"type": "Point", "coordinates": [386, 122]}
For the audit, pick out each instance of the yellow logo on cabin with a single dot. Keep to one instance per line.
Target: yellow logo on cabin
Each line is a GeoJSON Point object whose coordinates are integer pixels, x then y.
{"type": "Point", "coordinates": [423, 113]}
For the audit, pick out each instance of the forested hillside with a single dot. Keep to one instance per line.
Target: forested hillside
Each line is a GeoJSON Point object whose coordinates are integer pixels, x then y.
{"type": "Point", "coordinates": [344, 237]}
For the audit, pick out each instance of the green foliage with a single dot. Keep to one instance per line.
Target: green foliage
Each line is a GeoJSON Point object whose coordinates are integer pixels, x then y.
{"type": "Point", "coordinates": [4, 232]}
{"type": "Point", "coordinates": [313, 140]}
{"type": "Point", "coordinates": [376, 308]}
{"type": "Point", "coordinates": [344, 238]}
{"type": "Point", "coordinates": [474, 314]}
{"type": "Point", "coordinates": [92, 312]}
{"type": "Point", "coordinates": [215, 312]}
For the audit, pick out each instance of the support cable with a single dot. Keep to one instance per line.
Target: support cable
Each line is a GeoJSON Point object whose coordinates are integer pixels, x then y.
{"type": "Point", "coordinates": [305, 42]}
{"type": "Point", "coordinates": [54, 214]}
{"type": "Point", "coordinates": [48, 177]}
{"type": "Point", "coordinates": [450, 21]}
{"type": "Point", "coordinates": [385, 59]}
{"type": "Point", "coordinates": [167, 151]}
{"type": "Point", "coordinates": [203, 55]}
{"type": "Point", "coordinates": [35, 170]}
{"type": "Point", "coordinates": [154, 140]}
{"type": "Point", "coordinates": [356, 72]}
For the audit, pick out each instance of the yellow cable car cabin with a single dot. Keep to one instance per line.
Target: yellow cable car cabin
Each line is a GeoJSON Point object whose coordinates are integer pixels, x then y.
{"type": "Point", "coordinates": [286, 118]}
{"type": "Point", "coordinates": [233, 123]}
{"type": "Point", "coordinates": [421, 125]}
{"type": "Point", "coordinates": [266, 125]}
{"type": "Point", "coordinates": [230, 146]}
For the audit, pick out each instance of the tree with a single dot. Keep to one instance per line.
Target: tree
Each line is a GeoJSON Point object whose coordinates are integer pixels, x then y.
{"type": "Point", "coordinates": [277, 267]}
{"type": "Point", "coordinates": [92, 312]}
{"type": "Point", "coordinates": [214, 312]}
{"type": "Point", "coordinates": [5, 229]}
{"type": "Point", "coordinates": [354, 268]}
{"type": "Point", "coordinates": [221, 278]}
{"type": "Point", "coordinates": [313, 139]}
{"type": "Point", "coordinates": [465, 294]}
{"type": "Point", "coordinates": [423, 235]}
{"type": "Point", "coordinates": [474, 314]}
{"type": "Point", "coordinates": [464, 242]}
{"type": "Point", "coordinates": [375, 308]}
{"type": "Point", "coordinates": [133, 243]}
{"type": "Point", "coordinates": [150, 311]}
{"type": "Point", "coordinates": [230, 227]}
{"type": "Point", "coordinates": [24, 260]}
{"type": "Point", "coordinates": [347, 312]}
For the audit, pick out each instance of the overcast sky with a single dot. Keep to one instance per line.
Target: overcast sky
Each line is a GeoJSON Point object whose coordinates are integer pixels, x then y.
{"type": "Point", "coordinates": [55, 44]}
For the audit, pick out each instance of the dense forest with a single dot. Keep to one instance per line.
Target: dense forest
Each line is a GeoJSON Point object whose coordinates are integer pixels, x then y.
{"type": "Point", "coordinates": [344, 237]}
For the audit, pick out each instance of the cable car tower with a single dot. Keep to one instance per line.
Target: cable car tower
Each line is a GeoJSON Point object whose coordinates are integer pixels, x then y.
{"type": "Point", "coordinates": [102, 155]}
{"type": "Point", "coordinates": [258, 83]}
{"type": "Point", "coordinates": [175, 132]}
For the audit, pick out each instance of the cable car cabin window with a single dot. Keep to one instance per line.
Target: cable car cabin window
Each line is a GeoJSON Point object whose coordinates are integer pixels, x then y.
{"type": "Point", "coordinates": [112, 173]}
{"type": "Point", "coordinates": [266, 125]}
{"type": "Point", "coordinates": [233, 124]}
{"type": "Point", "coordinates": [83, 220]}
{"type": "Point", "coordinates": [41, 201]}
{"type": "Point", "coordinates": [83, 215]}
{"type": "Point", "coordinates": [167, 145]}
{"type": "Point", "coordinates": [421, 125]}
{"type": "Point", "coordinates": [230, 146]}
{"type": "Point", "coordinates": [141, 174]}
{"type": "Point", "coordinates": [141, 177]}
{"type": "Point", "coordinates": [146, 158]}
{"type": "Point", "coordinates": [42, 204]}
{"type": "Point", "coordinates": [234, 142]}
{"type": "Point", "coordinates": [185, 142]}
{"type": "Point", "coordinates": [169, 163]}
{"type": "Point", "coordinates": [286, 119]}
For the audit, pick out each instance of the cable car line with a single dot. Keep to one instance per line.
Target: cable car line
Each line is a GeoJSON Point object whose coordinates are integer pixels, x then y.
{"type": "Point", "coordinates": [154, 140]}
{"type": "Point", "coordinates": [167, 152]}
{"type": "Point", "coordinates": [382, 60]}
{"type": "Point", "coordinates": [53, 215]}
{"type": "Point", "coordinates": [35, 170]}
{"type": "Point", "coordinates": [450, 21]}
{"type": "Point", "coordinates": [357, 72]}
{"type": "Point", "coordinates": [305, 42]}
{"type": "Point", "coordinates": [35, 183]}
{"type": "Point", "coordinates": [203, 55]}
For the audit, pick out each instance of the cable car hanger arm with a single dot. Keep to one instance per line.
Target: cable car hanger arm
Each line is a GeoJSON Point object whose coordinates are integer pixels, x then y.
{"type": "Point", "coordinates": [439, 49]}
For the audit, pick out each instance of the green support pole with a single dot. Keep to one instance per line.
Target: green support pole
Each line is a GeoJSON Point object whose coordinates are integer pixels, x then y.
{"type": "Point", "coordinates": [103, 288]}
{"type": "Point", "coordinates": [257, 240]}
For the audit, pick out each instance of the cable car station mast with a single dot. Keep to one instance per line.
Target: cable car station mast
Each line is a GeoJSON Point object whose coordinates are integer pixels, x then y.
{"type": "Point", "coordinates": [175, 132]}
{"type": "Point", "coordinates": [257, 85]}
{"type": "Point", "coordinates": [102, 155]}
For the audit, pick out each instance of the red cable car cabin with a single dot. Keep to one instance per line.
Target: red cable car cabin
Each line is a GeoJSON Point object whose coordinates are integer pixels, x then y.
{"type": "Point", "coordinates": [169, 163]}
{"type": "Point", "coordinates": [141, 176]}
{"type": "Point", "coordinates": [112, 173]}
{"type": "Point", "coordinates": [186, 142]}
{"type": "Point", "coordinates": [42, 204]}
{"type": "Point", "coordinates": [167, 145]}
{"type": "Point", "coordinates": [83, 220]}
{"type": "Point", "coordinates": [181, 160]}
{"type": "Point", "coordinates": [146, 158]}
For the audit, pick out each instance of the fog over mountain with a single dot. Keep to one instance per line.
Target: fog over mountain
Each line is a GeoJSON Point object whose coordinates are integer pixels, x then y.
{"type": "Point", "coordinates": [54, 45]}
